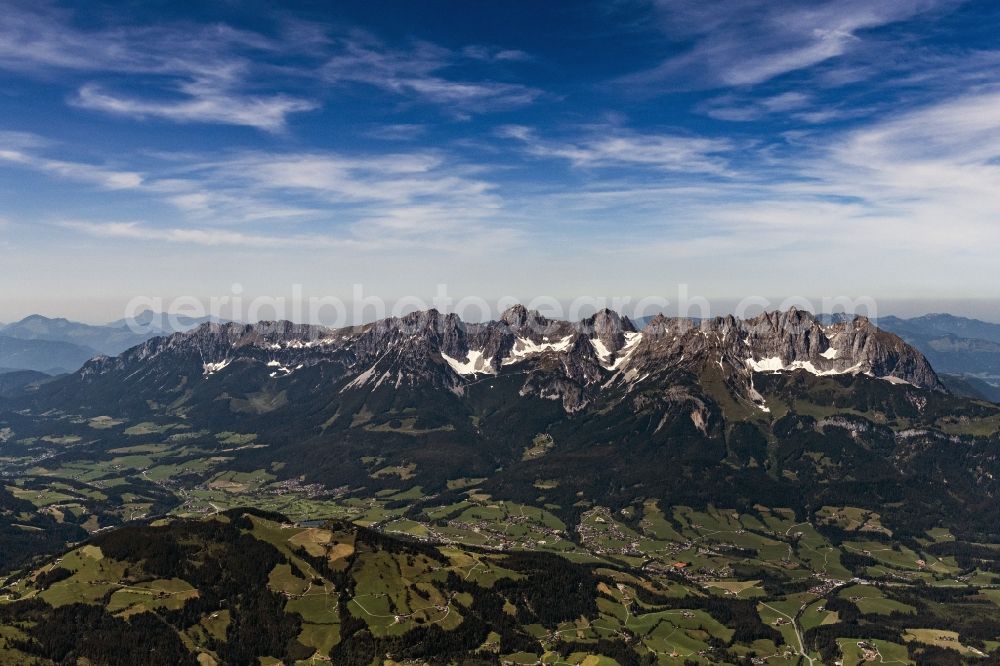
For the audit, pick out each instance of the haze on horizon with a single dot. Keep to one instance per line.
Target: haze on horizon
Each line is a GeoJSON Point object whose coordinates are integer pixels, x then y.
{"type": "Point", "coordinates": [749, 147]}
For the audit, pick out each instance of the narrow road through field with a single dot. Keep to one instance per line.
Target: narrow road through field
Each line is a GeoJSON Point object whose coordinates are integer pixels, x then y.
{"type": "Point", "coordinates": [795, 627]}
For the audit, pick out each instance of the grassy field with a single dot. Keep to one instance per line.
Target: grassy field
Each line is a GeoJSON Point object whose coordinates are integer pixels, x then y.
{"type": "Point", "coordinates": [780, 564]}
{"type": "Point", "coordinates": [870, 599]}
{"type": "Point", "coordinates": [859, 651]}
{"type": "Point", "coordinates": [944, 639]}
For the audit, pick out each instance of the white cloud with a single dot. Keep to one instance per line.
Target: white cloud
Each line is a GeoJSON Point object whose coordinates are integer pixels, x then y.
{"type": "Point", "coordinates": [201, 236]}
{"type": "Point", "coordinates": [202, 201]}
{"type": "Point", "coordinates": [607, 146]}
{"type": "Point", "coordinates": [906, 205]}
{"type": "Point", "coordinates": [786, 101]}
{"type": "Point", "coordinates": [206, 68]}
{"type": "Point", "coordinates": [108, 179]}
{"type": "Point", "coordinates": [921, 183]}
{"type": "Point", "coordinates": [410, 200]}
{"type": "Point", "coordinates": [206, 73]}
{"type": "Point", "coordinates": [421, 72]}
{"type": "Point", "coordinates": [792, 105]}
{"type": "Point", "coordinates": [747, 42]}
{"type": "Point", "coordinates": [743, 109]}
{"type": "Point", "coordinates": [932, 174]}
{"type": "Point", "coordinates": [398, 131]}
{"type": "Point", "coordinates": [202, 104]}
{"type": "Point", "coordinates": [422, 197]}
{"type": "Point", "coordinates": [362, 186]}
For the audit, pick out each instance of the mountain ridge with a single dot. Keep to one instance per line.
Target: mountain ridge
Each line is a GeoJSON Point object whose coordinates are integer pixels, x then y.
{"type": "Point", "coordinates": [565, 361]}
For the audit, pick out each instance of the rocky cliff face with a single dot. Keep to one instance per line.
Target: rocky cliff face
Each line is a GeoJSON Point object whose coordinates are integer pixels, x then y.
{"type": "Point", "coordinates": [573, 363]}
{"type": "Point", "coordinates": [607, 327]}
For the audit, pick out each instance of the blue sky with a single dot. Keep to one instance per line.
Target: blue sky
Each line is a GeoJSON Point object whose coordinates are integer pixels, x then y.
{"type": "Point", "coordinates": [848, 147]}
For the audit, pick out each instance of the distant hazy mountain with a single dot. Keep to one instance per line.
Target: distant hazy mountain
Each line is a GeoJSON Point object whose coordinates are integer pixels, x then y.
{"type": "Point", "coordinates": [968, 386]}
{"type": "Point", "coordinates": [967, 348]}
{"type": "Point", "coordinates": [161, 323]}
{"type": "Point", "coordinates": [103, 339]}
{"type": "Point", "coordinates": [933, 325]}
{"type": "Point", "coordinates": [109, 339]}
{"type": "Point", "coordinates": [49, 356]}
{"type": "Point", "coordinates": [13, 382]}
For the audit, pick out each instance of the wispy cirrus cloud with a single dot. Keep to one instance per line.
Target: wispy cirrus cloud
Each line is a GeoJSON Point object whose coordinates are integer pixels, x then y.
{"type": "Point", "coordinates": [742, 109]}
{"type": "Point", "coordinates": [421, 72]}
{"type": "Point", "coordinates": [935, 168]}
{"type": "Point", "coordinates": [418, 196]}
{"type": "Point", "coordinates": [609, 146]}
{"type": "Point", "coordinates": [212, 73]}
{"type": "Point", "coordinates": [388, 178]}
{"type": "Point", "coordinates": [375, 239]}
{"type": "Point", "coordinates": [421, 198]}
{"type": "Point", "coordinates": [42, 35]}
{"type": "Point", "coordinates": [903, 202]}
{"type": "Point", "coordinates": [794, 105]}
{"type": "Point", "coordinates": [189, 194]}
{"type": "Point", "coordinates": [493, 54]}
{"type": "Point", "coordinates": [202, 102]}
{"type": "Point", "coordinates": [918, 188]}
{"type": "Point", "coordinates": [397, 131]}
{"type": "Point", "coordinates": [21, 149]}
{"type": "Point", "coordinates": [208, 237]}
{"type": "Point", "coordinates": [747, 42]}
{"type": "Point", "coordinates": [201, 73]}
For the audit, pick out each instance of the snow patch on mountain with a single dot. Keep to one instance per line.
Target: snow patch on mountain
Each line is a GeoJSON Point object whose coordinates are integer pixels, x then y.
{"type": "Point", "coordinates": [603, 353]}
{"type": "Point", "coordinates": [475, 364]}
{"type": "Point", "coordinates": [360, 380]}
{"type": "Point", "coordinates": [773, 364]}
{"type": "Point", "coordinates": [525, 348]}
{"type": "Point", "coordinates": [283, 371]}
{"type": "Point", "coordinates": [632, 341]}
{"type": "Point", "coordinates": [212, 368]}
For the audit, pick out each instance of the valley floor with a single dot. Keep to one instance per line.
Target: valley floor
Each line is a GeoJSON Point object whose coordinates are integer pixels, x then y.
{"type": "Point", "coordinates": [654, 584]}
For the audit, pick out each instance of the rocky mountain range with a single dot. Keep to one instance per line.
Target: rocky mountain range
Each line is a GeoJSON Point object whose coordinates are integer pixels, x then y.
{"type": "Point", "coordinates": [525, 397]}
{"type": "Point", "coordinates": [568, 362]}
{"type": "Point", "coordinates": [444, 399]}
{"type": "Point", "coordinates": [965, 352]}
